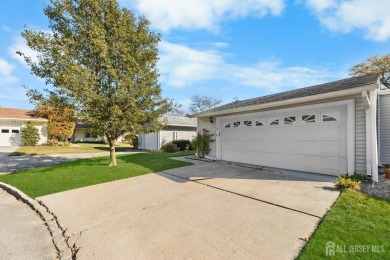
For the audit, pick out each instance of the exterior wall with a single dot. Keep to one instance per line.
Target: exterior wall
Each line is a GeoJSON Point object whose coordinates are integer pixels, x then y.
{"type": "Point", "coordinates": [150, 141]}
{"type": "Point", "coordinates": [18, 125]}
{"type": "Point", "coordinates": [384, 128]}
{"type": "Point", "coordinates": [79, 136]}
{"type": "Point", "coordinates": [204, 123]}
{"type": "Point", "coordinates": [167, 136]}
{"type": "Point", "coordinates": [360, 135]}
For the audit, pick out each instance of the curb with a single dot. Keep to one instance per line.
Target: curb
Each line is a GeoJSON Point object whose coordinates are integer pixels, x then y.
{"type": "Point", "coordinates": [60, 241]}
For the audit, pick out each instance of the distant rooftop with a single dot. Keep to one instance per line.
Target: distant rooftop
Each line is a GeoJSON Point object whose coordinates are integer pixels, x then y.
{"type": "Point", "coordinates": [181, 121]}
{"type": "Point", "coordinates": [14, 113]}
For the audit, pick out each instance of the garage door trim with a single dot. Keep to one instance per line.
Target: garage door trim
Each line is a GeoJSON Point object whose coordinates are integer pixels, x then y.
{"type": "Point", "coordinates": [350, 103]}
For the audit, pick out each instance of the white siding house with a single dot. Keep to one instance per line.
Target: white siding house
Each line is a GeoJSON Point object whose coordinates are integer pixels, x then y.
{"type": "Point", "coordinates": [329, 128]}
{"type": "Point", "coordinates": [384, 127]}
{"type": "Point", "coordinates": [13, 120]}
{"type": "Point", "coordinates": [176, 128]}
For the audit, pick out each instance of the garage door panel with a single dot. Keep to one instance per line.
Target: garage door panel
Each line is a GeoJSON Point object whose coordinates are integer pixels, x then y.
{"type": "Point", "coordinates": [319, 146]}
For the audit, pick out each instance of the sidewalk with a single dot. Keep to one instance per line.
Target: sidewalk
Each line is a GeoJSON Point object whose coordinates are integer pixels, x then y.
{"type": "Point", "coordinates": [23, 233]}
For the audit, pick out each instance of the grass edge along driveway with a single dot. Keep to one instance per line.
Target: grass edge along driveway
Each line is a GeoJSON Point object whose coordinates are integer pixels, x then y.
{"type": "Point", "coordinates": [77, 174]}
{"type": "Point", "coordinates": [355, 219]}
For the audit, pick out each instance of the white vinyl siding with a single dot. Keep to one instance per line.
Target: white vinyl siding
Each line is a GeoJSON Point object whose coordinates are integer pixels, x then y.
{"type": "Point", "coordinates": [150, 141]}
{"type": "Point", "coordinates": [384, 129]}
{"type": "Point", "coordinates": [360, 135]}
{"type": "Point", "coordinates": [204, 123]}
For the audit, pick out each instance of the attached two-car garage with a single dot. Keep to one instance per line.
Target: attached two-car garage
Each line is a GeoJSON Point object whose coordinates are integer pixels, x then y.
{"type": "Point", "coordinates": [312, 139]}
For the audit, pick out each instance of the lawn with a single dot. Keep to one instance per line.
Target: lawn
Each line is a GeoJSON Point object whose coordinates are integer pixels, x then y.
{"type": "Point", "coordinates": [71, 175]}
{"type": "Point", "coordinates": [355, 219]}
{"type": "Point", "coordinates": [81, 148]}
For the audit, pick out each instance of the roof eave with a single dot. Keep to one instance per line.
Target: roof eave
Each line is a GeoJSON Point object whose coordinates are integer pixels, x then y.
{"type": "Point", "coordinates": [333, 94]}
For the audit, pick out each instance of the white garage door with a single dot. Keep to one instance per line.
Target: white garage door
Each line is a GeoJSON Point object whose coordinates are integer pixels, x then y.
{"type": "Point", "coordinates": [9, 135]}
{"type": "Point", "coordinates": [307, 140]}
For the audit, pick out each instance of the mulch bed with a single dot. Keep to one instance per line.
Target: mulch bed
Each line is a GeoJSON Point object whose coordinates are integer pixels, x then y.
{"type": "Point", "coordinates": [381, 189]}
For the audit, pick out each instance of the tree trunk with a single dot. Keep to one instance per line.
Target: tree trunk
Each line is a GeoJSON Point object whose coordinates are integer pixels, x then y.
{"type": "Point", "coordinates": [112, 153]}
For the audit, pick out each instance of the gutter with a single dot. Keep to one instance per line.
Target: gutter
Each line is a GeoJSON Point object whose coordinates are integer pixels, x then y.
{"type": "Point", "coordinates": [23, 119]}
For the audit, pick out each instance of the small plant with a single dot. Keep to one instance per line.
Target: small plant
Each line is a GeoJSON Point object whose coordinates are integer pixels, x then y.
{"type": "Point", "coordinates": [183, 144]}
{"type": "Point", "coordinates": [357, 177]}
{"type": "Point", "coordinates": [52, 142]}
{"type": "Point", "coordinates": [387, 171]}
{"type": "Point", "coordinates": [30, 135]}
{"type": "Point", "coordinates": [202, 142]}
{"type": "Point", "coordinates": [347, 183]}
{"type": "Point", "coordinates": [170, 148]}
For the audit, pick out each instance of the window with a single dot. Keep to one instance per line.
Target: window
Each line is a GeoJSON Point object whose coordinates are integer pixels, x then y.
{"type": "Point", "coordinates": [236, 124]}
{"type": "Point", "coordinates": [259, 123]}
{"type": "Point", "coordinates": [4, 131]}
{"type": "Point", "coordinates": [94, 136]}
{"type": "Point", "coordinates": [275, 122]}
{"type": "Point", "coordinates": [15, 131]}
{"type": "Point", "coordinates": [331, 117]}
{"type": "Point", "coordinates": [227, 126]}
{"type": "Point", "coordinates": [247, 123]}
{"type": "Point", "coordinates": [289, 120]}
{"type": "Point", "coordinates": [87, 135]}
{"type": "Point", "coordinates": [308, 119]}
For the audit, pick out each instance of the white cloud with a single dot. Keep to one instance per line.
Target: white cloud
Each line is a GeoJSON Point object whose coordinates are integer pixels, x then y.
{"type": "Point", "coordinates": [21, 45]}
{"type": "Point", "coordinates": [371, 16]}
{"type": "Point", "coordinates": [6, 70]}
{"type": "Point", "coordinates": [201, 14]}
{"type": "Point", "coordinates": [181, 66]}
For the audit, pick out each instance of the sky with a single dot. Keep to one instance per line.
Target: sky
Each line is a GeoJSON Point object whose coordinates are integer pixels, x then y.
{"type": "Point", "coordinates": [230, 49]}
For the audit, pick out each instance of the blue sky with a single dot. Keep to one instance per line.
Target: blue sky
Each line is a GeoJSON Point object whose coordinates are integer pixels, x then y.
{"type": "Point", "coordinates": [227, 49]}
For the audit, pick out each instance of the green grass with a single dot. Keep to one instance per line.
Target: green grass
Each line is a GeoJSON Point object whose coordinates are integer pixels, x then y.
{"type": "Point", "coordinates": [71, 175]}
{"type": "Point", "coordinates": [83, 148]}
{"type": "Point", "coordinates": [355, 219]}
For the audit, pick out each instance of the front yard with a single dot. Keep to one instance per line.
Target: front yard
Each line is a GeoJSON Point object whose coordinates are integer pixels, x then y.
{"type": "Point", "coordinates": [357, 222]}
{"type": "Point", "coordinates": [77, 148]}
{"type": "Point", "coordinates": [77, 174]}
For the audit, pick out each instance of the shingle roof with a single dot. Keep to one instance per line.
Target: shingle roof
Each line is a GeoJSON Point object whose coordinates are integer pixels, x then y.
{"type": "Point", "coordinates": [181, 121]}
{"type": "Point", "coordinates": [14, 113]}
{"type": "Point", "coordinates": [302, 92]}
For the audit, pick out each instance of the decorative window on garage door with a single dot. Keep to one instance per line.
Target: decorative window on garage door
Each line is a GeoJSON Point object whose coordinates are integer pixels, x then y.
{"type": "Point", "coordinates": [227, 126]}
{"type": "Point", "coordinates": [290, 120]}
{"type": "Point", "coordinates": [274, 121]}
{"type": "Point", "coordinates": [331, 116]}
{"type": "Point", "coordinates": [247, 123]}
{"type": "Point", "coordinates": [236, 124]}
{"type": "Point", "coordinates": [259, 123]}
{"type": "Point", "coordinates": [307, 119]}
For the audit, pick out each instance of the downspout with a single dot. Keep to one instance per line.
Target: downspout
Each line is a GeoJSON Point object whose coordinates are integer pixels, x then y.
{"type": "Point", "coordinates": [374, 137]}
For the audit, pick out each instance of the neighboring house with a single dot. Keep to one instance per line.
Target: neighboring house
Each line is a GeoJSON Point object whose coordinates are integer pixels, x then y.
{"type": "Point", "coordinates": [177, 128]}
{"type": "Point", "coordinates": [13, 120]}
{"type": "Point", "coordinates": [329, 128]}
{"type": "Point", "coordinates": [82, 134]}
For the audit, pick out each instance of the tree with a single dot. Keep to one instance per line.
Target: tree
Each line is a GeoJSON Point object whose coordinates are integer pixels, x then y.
{"type": "Point", "coordinates": [30, 135]}
{"type": "Point", "coordinates": [202, 103]}
{"type": "Point", "coordinates": [375, 64]}
{"type": "Point", "coordinates": [104, 58]}
{"type": "Point", "coordinates": [59, 112]}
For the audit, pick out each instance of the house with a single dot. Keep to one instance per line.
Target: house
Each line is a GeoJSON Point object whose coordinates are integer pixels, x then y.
{"type": "Point", "coordinates": [13, 120]}
{"type": "Point", "coordinates": [82, 134]}
{"type": "Point", "coordinates": [329, 128]}
{"type": "Point", "coordinates": [177, 128]}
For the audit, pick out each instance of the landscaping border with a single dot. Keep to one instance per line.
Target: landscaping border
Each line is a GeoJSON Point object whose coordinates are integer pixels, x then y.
{"type": "Point", "coordinates": [57, 233]}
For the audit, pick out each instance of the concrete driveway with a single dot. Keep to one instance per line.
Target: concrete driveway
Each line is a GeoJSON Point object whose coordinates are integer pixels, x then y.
{"type": "Point", "coordinates": [205, 211]}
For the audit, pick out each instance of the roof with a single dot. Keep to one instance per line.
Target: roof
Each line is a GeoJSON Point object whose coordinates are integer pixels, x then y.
{"type": "Point", "coordinates": [181, 121]}
{"type": "Point", "coordinates": [19, 114]}
{"type": "Point", "coordinates": [334, 86]}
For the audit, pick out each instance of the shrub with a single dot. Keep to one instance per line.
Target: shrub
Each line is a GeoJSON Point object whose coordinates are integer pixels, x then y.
{"type": "Point", "coordinates": [183, 144]}
{"type": "Point", "coordinates": [202, 142]}
{"type": "Point", "coordinates": [132, 139]}
{"type": "Point", "coordinates": [30, 136]}
{"type": "Point", "coordinates": [357, 177]}
{"type": "Point", "coordinates": [52, 142]}
{"type": "Point", "coordinates": [347, 183]}
{"type": "Point", "coordinates": [63, 144]}
{"type": "Point", "coordinates": [170, 148]}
